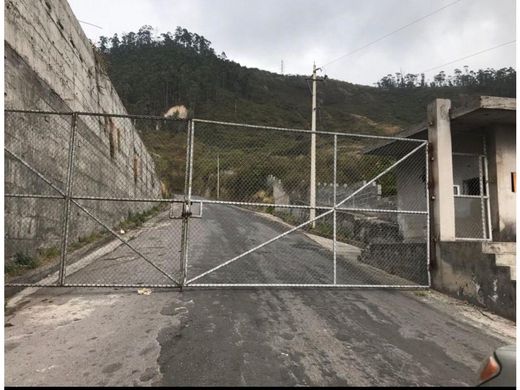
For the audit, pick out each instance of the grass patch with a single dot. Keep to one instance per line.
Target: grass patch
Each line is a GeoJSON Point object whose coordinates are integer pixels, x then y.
{"type": "Point", "coordinates": [85, 240]}
{"type": "Point", "coordinates": [135, 220]}
{"type": "Point", "coordinates": [421, 293]}
{"type": "Point", "coordinates": [21, 262]}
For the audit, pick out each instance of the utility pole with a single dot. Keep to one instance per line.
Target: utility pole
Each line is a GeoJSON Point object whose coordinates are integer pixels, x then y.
{"type": "Point", "coordinates": [312, 197]}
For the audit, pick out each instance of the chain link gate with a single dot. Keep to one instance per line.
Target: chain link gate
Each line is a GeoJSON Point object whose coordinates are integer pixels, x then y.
{"type": "Point", "coordinates": [371, 224]}
{"type": "Point", "coordinates": [87, 199]}
{"type": "Point", "coordinates": [107, 200]}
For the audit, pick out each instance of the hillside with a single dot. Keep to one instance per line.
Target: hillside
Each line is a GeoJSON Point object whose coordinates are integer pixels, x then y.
{"type": "Point", "coordinates": [152, 74]}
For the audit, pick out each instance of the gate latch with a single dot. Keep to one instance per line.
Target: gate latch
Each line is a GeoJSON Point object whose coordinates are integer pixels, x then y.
{"type": "Point", "coordinates": [185, 210]}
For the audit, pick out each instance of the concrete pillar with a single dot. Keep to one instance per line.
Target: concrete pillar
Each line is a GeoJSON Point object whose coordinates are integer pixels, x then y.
{"type": "Point", "coordinates": [502, 162]}
{"type": "Point", "coordinates": [439, 136]}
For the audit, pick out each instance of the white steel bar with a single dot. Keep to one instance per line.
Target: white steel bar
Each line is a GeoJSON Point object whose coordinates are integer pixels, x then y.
{"type": "Point", "coordinates": [324, 285]}
{"type": "Point", "coordinates": [428, 238]}
{"type": "Point", "coordinates": [294, 206]}
{"type": "Point", "coordinates": [382, 211]}
{"type": "Point", "coordinates": [98, 114]}
{"type": "Point", "coordinates": [186, 221]}
{"type": "Point", "coordinates": [190, 171]}
{"type": "Point", "coordinates": [66, 206]}
{"type": "Point", "coordinates": [308, 131]}
{"type": "Point", "coordinates": [130, 116]}
{"type": "Point", "coordinates": [33, 196]}
{"type": "Point", "coordinates": [470, 196]}
{"type": "Point", "coordinates": [312, 179]}
{"type": "Point", "coordinates": [184, 227]}
{"type": "Point", "coordinates": [42, 112]}
{"type": "Point", "coordinates": [486, 178]}
{"type": "Point", "coordinates": [125, 242]}
{"type": "Point", "coordinates": [481, 189]}
{"type": "Point", "coordinates": [31, 285]}
{"type": "Point", "coordinates": [471, 239]}
{"type": "Point", "coordinates": [149, 200]}
{"type": "Point", "coordinates": [107, 285]}
{"type": "Point", "coordinates": [334, 202]}
{"type": "Point", "coordinates": [256, 204]}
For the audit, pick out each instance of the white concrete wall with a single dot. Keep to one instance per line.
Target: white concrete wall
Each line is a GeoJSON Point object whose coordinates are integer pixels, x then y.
{"type": "Point", "coordinates": [441, 172]}
{"type": "Point", "coordinates": [51, 65]}
{"type": "Point", "coordinates": [47, 35]}
{"type": "Point", "coordinates": [502, 164]}
{"type": "Point", "coordinates": [411, 195]}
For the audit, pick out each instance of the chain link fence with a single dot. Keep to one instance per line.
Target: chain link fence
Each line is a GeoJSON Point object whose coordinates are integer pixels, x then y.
{"type": "Point", "coordinates": [118, 200]}
{"type": "Point", "coordinates": [368, 225]}
{"type": "Point", "coordinates": [88, 199]}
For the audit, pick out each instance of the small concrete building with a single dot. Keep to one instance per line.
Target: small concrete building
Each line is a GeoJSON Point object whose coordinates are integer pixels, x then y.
{"type": "Point", "coordinates": [472, 176]}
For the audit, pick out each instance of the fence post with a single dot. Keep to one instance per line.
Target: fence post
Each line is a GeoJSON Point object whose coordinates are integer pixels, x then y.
{"type": "Point", "coordinates": [67, 199]}
{"type": "Point", "coordinates": [334, 203]}
{"type": "Point", "coordinates": [186, 212]}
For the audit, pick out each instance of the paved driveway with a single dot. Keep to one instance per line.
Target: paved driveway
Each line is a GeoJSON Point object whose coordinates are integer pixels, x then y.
{"type": "Point", "coordinates": [244, 336]}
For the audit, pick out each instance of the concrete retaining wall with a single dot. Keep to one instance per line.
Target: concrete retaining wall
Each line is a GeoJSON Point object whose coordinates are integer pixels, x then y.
{"type": "Point", "coordinates": [51, 65]}
{"type": "Point", "coordinates": [463, 271]}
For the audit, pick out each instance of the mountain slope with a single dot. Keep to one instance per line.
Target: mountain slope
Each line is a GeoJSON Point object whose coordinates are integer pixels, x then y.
{"type": "Point", "coordinates": [154, 74]}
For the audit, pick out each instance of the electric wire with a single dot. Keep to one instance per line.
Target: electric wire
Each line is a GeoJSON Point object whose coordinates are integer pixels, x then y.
{"type": "Point", "coordinates": [469, 56]}
{"type": "Point", "coordinates": [392, 32]}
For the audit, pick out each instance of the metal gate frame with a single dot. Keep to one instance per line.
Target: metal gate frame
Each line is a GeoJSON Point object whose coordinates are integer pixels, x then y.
{"type": "Point", "coordinates": [422, 144]}
{"type": "Point", "coordinates": [70, 199]}
{"type": "Point", "coordinates": [485, 207]}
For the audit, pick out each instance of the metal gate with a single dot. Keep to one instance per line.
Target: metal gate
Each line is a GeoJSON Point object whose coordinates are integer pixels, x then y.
{"type": "Point", "coordinates": [108, 200]}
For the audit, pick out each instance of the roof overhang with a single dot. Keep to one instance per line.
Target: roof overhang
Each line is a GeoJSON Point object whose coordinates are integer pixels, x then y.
{"type": "Point", "coordinates": [480, 112]}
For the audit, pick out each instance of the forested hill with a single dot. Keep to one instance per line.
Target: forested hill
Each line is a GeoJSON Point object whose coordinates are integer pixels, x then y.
{"type": "Point", "coordinates": [152, 73]}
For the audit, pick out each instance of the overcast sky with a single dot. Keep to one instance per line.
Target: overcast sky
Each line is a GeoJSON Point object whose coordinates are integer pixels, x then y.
{"type": "Point", "coordinates": [262, 33]}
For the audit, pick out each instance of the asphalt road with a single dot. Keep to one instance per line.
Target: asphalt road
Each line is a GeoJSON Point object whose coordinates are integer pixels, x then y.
{"type": "Point", "coordinates": [263, 336]}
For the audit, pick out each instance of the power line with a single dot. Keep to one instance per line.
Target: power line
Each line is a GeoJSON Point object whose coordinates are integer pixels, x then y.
{"type": "Point", "coordinates": [90, 24]}
{"type": "Point", "coordinates": [393, 32]}
{"type": "Point", "coordinates": [469, 56]}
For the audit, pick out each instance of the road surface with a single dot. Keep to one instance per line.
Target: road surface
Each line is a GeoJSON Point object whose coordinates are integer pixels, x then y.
{"type": "Point", "coordinates": [263, 336]}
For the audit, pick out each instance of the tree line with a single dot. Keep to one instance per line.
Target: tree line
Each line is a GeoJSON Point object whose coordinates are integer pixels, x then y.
{"type": "Point", "coordinates": [153, 72]}
{"type": "Point", "coordinates": [503, 80]}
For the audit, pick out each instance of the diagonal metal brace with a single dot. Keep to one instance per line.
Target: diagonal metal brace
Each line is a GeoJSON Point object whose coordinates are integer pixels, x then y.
{"type": "Point", "coordinates": [125, 242]}
{"type": "Point", "coordinates": [19, 159]}
{"type": "Point", "coordinates": [330, 211]}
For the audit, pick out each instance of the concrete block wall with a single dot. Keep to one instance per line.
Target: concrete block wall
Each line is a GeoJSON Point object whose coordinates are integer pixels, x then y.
{"type": "Point", "coordinates": [463, 270]}
{"type": "Point", "coordinates": [50, 65]}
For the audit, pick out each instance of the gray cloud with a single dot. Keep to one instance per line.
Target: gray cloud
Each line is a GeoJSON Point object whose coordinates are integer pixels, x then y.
{"type": "Point", "coordinates": [260, 33]}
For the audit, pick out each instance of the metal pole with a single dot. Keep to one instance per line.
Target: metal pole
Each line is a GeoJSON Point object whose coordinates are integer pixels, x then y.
{"type": "Point", "coordinates": [68, 194]}
{"type": "Point", "coordinates": [218, 176]}
{"type": "Point", "coordinates": [187, 210]}
{"type": "Point", "coordinates": [312, 197]}
{"type": "Point", "coordinates": [486, 181]}
{"type": "Point", "coordinates": [187, 194]}
{"type": "Point", "coordinates": [481, 190]}
{"type": "Point", "coordinates": [427, 189]}
{"type": "Point", "coordinates": [334, 213]}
